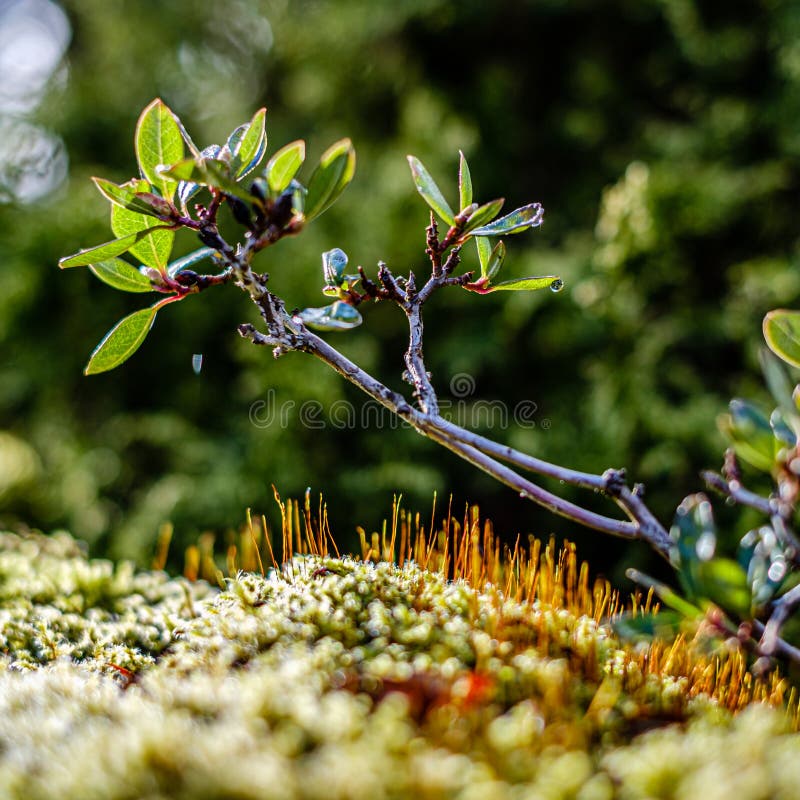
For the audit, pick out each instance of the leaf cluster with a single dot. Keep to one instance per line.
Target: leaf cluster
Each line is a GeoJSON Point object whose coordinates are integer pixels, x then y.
{"type": "Point", "coordinates": [147, 211]}
{"type": "Point", "coordinates": [758, 577]}
{"type": "Point", "coordinates": [177, 191]}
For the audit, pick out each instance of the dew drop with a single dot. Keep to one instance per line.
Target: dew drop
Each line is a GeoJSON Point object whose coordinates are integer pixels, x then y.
{"type": "Point", "coordinates": [197, 363]}
{"type": "Point", "coordinates": [557, 285]}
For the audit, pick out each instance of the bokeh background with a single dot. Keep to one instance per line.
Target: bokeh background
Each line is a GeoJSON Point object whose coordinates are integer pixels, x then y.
{"type": "Point", "coordinates": [662, 137]}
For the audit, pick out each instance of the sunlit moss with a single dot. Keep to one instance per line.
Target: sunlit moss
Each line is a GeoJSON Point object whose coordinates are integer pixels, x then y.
{"type": "Point", "coordinates": [483, 675]}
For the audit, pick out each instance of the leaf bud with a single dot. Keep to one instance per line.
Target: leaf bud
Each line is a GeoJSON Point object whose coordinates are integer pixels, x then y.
{"type": "Point", "coordinates": [283, 210]}
{"type": "Point", "coordinates": [240, 210]}
{"type": "Point", "coordinates": [187, 277]}
{"type": "Point", "coordinates": [259, 188]}
{"type": "Point", "coordinates": [210, 238]}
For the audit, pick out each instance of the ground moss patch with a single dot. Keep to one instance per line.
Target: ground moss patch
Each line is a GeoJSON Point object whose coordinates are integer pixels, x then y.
{"type": "Point", "coordinates": [337, 677]}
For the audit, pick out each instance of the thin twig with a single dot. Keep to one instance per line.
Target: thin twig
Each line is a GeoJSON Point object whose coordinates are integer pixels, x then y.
{"type": "Point", "coordinates": [290, 334]}
{"type": "Point", "coordinates": [779, 647]}
{"type": "Point", "coordinates": [737, 492]}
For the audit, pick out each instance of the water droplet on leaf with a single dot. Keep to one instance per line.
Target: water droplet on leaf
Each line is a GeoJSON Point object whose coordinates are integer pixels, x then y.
{"type": "Point", "coordinates": [557, 285]}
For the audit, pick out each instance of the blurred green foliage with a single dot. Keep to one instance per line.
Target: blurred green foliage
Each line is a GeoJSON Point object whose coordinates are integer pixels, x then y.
{"type": "Point", "coordinates": [660, 135]}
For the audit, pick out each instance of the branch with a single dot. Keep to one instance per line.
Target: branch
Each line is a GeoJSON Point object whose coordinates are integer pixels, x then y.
{"type": "Point", "coordinates": [290, 334]}
{"type": "Point", "coordinates": [611, 482]}
{"type": "Point", "coordinates": [771, 643]}
{"type": "Point", "coordinates": [397, 404]}
{"type": "Point", "coordinates": [771, 507]}
{"type": "Point", "coordinates": [530, 491]}
{"type": "Point", "coordinates": [737, 493]}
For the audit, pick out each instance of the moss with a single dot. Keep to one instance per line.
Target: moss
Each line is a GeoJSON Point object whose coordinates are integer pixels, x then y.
{"type": "Point", "coordinates": [344, 678]}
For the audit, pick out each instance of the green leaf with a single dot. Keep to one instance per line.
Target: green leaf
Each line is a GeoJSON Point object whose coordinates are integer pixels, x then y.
{"type": "Point", "coordinates": [782, 390]}
{"type": "Point", "coordinates": [156, 244]}
{"type": "Point", "coordinates": [496, 259]}
{"type": "Point", "coordinates": [121, 275]}
{"type": "Point", "coordinates": [127, 196]}
{"type": "Point", "coordinates": [430, 192]}
{"type": "Point", "coordinates": [483, 214]}
{"type": "Point", "coordinates": [665, 594]}
{"type": "Point", "coordinates": [782, 332]}
{"type": "Point", "coordinates": [121, 342]}
{"type": "Point", "coordinates": [334, 263]}
{"type": "Point", "coordinates": [464, 183]}
{"type": "Point", "coordinates": [188, 169]}
{"type": "Point", "coordinates": [694, 537]}
{"type": "Point", "coordinates": [116, 247]}
{"type": "Point", "coordinates": [208, 172]}
{"type": "Point", "coordinates": [653, 625]}
{"type": "Point", "coordinates": [750, 433]}
{"type": "Point", "coordinates": [524, 284]}
{"type": "Point", "coordinates": [782, 432]}
{"type": "Point", "coordinates": [484, 246]}
{"type": "Point", "coordinates": [336, 169]}
{"type": "Point", "coordinates": [338, 316]}
{"type": "Point", "coordinates": [762, 554]}
{"type": "Point", "coordinates": [250, 147]}
{"type": "Point", "coordinates": [190, 259]}
{"type": "Point", "coordinates": [724, 582]}
{"type": "Point", "coordinates": [284, 164]}
{"type": "Point", "coordinates": [529, 216]}
{"type": "Point", "coordinates": [158, 142]}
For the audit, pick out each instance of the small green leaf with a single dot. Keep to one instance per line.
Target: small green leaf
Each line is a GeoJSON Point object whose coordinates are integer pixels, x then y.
{"type": "Point", "coordinates": [430, 192]}
{"type": "Point", "coordinates": [158, 142]}
{"type": "Point", "coordinates": [211, 172]}
{"type": "Point", "coordinates": [653, 625]}
{"type": "Point", "coordinates": [334, 263]}
{"type": "Point", "coordinates": [464, 182]}
{"type": "Point", "coordinates": [666, 594]}
{"type": "Point", "coordinates": [121, 275]}
{"type": "Point", "coordinates": [484, 246]}
{"type": "Point", "coordinates": [189, 260]}
{"type": "Point", "coordinates": [781, 388]}
{"type": "Point", "coordinates": [724, 582]}
{"type": "Point", "coordinates": [496, 259]}
{"type": "Point", "coordinates": [156, 244]}
{"type": "Point", "coordinates": [762, 554]}
{"type": "Point", "coordinates": [121, 342]}
{"type": "Point", "coordinates": [750, 433]}
{"type": "Point", "coordinates": [782, 432]}
{"type": "Point", "coordinates": [186, 170]}
{"type": "Point", "coordinates": [782, 332]}
{"type": "Point", "coordinates": [529, 216]}
{"type": "Point", "coordinates": [338, 316]}
{"type": "Point", "coordinates": [694, 537]}
{"type": "Point", "coordinates": [483, 214]}
{"type": "Point", "coordinates": [116, 247]}
{"type": "Point", "coordinates": [250, 147]}
{"type": "Point", "coordinates": [284, 164]}
{"type": "Point", "coordinates": [524, 284]}
{"type": "Point", "coordinates": [336, 169]}
{"type": "Point", "coordinates": [141, 202]}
